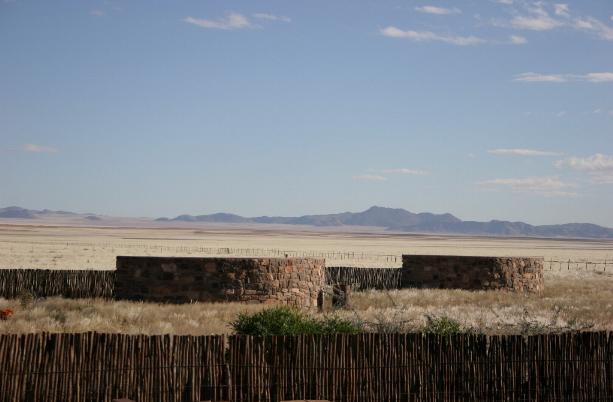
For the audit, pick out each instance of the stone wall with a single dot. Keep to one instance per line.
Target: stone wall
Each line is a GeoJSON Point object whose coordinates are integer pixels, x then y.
{"type": "Point", "coordinates": [521, 274]}
{"type": "Point", "coordinates": [292, 281]}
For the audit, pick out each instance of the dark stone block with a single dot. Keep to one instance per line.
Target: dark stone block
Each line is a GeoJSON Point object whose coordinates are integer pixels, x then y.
{"type": "Point", "coordinates": [185, 279]}
{"type": "Point", "coordinates": [473, 272]}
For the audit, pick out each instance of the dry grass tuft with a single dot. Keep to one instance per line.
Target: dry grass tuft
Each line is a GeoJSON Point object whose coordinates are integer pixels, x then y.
{"type": "Point", "coordinates": [82, 315]}
{"type": "Point", "coordinates": [565, 305]}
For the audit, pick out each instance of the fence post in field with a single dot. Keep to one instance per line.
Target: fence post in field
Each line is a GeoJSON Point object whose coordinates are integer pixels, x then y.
{"type": "Point", "coordinates": [341, 295]}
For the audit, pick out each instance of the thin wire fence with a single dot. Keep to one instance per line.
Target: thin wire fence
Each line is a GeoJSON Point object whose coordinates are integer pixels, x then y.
{"type": "Point", "coordinates": [132, 246]}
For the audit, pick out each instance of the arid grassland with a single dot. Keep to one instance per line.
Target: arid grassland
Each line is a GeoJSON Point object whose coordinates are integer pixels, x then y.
{"type": "Point", "coordinates": [72, 247]}
{"type": "Point", "coordinates": [574, 299]}
{"type": "Point", "coordinates": [565, 305]}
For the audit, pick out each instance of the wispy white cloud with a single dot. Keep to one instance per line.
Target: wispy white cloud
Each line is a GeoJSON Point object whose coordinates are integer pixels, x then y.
{"type": "Point", "coordinates": [598, 166]}
{"type": "Point", "coordinates": [369, 177]}
{"type": "Point", "coordinates": [602, 178]}
{"type": "Point", "coordinates": [272, 17]}
{"type": "Point", "coordinates": [438, 10]}
{"type": "Point", "coordinates": [541, 22]}
{"type": "Point", "coordinates": [522, 152]}
{"type": "Point", "coordinates": [535, 16]}
{"type": "Point", "coordinates": [506, 2]}
{"type": "Point", "coordinates": [599, 77]}
{"type": "Point", "coordinates": [561, 113]}
{"type": "Point", "coordinates": [405, 171]}
{"type": "Point", "coordinates": [36, 148]}
{"type": "Point", "coordinates": [595, 26]}
{"type": "Point", "coordinates": [428, 36]}
{"type": "Point", "coordinates": [97, 13]}
{"type": "Point", "coordinates": [562, 10]}
{"type": "Point", "coordinates": [596, 162]}
{"type": "Point", "coordinates": [517, 40]}
{"type": "Point", "coordinates": [231, 21]}
{"type": "Point", "coordinates": [536, 77]}
{"type": "Point", "coordinates": [545, 186]}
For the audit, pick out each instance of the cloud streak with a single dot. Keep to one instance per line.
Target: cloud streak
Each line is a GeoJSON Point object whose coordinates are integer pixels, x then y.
{"type": "Point", "coordinates": [544, 186]}
{"type": "Point", "coordinates": [438, 10]}
{"type": "Point", "coordinates": [405, 171]}
{"type": "Point", "coordinates": [598, 166]}
{"type": "Point", "coordinates": [536, 77]}
{"type": "Point", "coordinates": [518, 40]}
{"type": "Point", "coordinates": [522, 152]}
{"type": "Point", "coordinates": [537, 18]}
{"type": "Point", "coordinates": [232, 21]}
{"type": "Point", "coordinates": [369, 177]}
{"type": "Point", "coordinates": [36, 148]}
{"type": "Point", "coordinates": [535, 23]}
{"type": "Point", "coordinates": [595, 26]}
{"type": "Point", "coordinates": [272, 17]}
{"type": "Point", "coordinates": [428, 36]}
{"type": "Point", "coordinates": [562, 10]}
{"type": "Point", "coordinates": [597, 77]}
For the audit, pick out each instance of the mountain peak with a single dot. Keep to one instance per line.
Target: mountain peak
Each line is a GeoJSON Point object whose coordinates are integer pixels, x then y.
{"type": "Point", "coordinates": [396, 219]}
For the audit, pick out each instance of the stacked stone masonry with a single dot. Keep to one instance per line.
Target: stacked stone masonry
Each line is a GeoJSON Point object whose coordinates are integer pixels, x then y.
{"type": "Point", "coordinates": [291, 281]}
{"type": "Point", "coordinates": [521, 274]}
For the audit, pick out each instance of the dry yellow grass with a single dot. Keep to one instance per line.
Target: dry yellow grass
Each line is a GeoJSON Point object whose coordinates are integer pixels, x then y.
{"type": "Point", "coordinates": [566, 304]}
{"type": "Point", "coordinates": [81, 315]}
{"type": "Point", "coordinates": [573, 299]}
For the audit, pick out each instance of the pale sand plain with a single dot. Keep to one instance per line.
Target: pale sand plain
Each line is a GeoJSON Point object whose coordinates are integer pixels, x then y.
{"type": "Point", "coordinates": [95, 247]}
{"type": "Point", "coordinates": [576, 297]}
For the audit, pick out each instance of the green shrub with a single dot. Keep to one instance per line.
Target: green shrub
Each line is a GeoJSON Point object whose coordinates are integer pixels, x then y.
{"type": "Point", "coordinates": [335, 325]}
{"type": "Point", "coordinates": [442, 326]}
{"type": "Point", "coordinates": [289, 321]}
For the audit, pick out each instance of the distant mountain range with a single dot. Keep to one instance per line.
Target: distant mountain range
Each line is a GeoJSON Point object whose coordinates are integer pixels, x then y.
{"type": "Point", "coordinates": [393, 219]}
{"type": "Point", "coordinates": [401, 220]}
{"type": "Point", "coordinates": [22, 213]}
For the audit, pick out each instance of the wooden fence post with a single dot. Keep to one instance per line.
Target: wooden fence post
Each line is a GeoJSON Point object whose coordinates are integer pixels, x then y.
{"type": "Point", "coordinates": [341, 295]}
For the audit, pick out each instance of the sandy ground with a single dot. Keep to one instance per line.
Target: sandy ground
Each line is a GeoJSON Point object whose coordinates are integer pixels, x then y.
{"type": "Point", "coordinates": [81, 247]}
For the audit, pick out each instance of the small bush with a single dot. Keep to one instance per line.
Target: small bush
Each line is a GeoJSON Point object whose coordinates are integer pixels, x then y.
{"type": "Point", "coordinates": [26, 298]}
{"type": "Point", "coordinates": [335, 325]}
{"type": "Point", "coordinates": [289, 321]}
{"type": "Point", "coordinates": [442, 326]}
{"type": "Point", "coordinates": [6, 314]}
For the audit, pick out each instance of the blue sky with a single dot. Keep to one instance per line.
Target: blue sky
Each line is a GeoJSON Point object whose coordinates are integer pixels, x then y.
{"type": "Point", "coordinates": [486, 109]}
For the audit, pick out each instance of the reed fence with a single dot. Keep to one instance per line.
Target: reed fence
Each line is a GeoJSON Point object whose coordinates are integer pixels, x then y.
{"type": "Point", "coordinates": [90, 283]}
{"type": "Point", "coordinates": [91, 367]}
{"type": "Point", "coordinates": [364, 278]}
{"type": "Point", "coordinates": [15, 283]}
